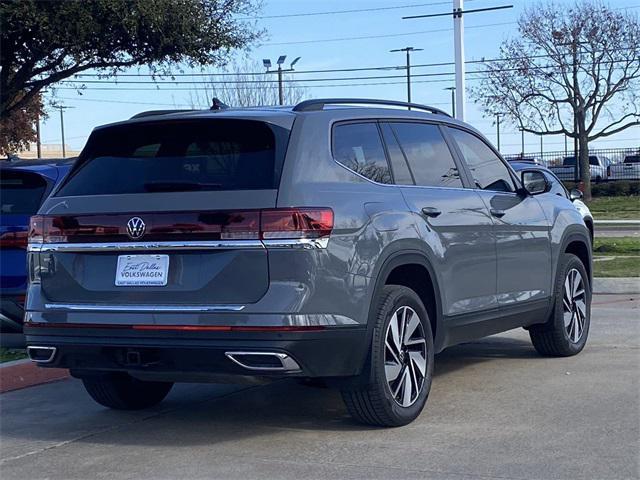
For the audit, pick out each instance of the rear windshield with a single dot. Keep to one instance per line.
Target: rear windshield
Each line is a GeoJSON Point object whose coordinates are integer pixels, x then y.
{"type": "Point", "coordinates": [632, 159]}
{"type": "Point", "coordinates": [179, 156]}
{"type": "Point", "coordinates": [21, 192]}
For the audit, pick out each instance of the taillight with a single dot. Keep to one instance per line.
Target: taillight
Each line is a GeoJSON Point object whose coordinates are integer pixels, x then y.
{"type": "Point", "coordinates": [296, 223]}
{"type": "Point", "coordinates": [275, 223]}
{"type": "Point", "coordinates": [13, 240]}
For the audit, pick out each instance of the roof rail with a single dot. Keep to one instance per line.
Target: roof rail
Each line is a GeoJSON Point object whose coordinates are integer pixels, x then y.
{"type": "Point", "coordinates": [319, 104]}
{"type": "Point", "coordinates": [151, 113]}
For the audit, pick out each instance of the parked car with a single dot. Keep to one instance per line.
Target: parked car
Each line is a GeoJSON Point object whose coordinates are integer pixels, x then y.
{"type": "Point", "coordinates": [337, 239]}
{"type": "Point", "coordinates": [529, 160]}
{"type": "Point", "coordinates": [24, 185]}
{"type": "Point", "coordinates": [556, 187]}
{"type": "Point", "coordinates": [597, 167]}
{"type": "Point", "coordinates": [629, 169]}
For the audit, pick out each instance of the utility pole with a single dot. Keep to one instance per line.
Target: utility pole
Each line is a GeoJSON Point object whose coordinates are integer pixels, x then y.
{"type": "Point", "coordinates": [541, 148]}
{"type": "Point", "coordinates": [267, 64]}
{"type": "Point", "coordinates": [458, 34]}
{"type": "Point", "coordinates": [453, 100]}
{"type": "Point", "coordinates": [62, 108]}
{"type": "Point", "coordinates": [408, 51]}
{"type": "Point", "coordinates": [522, 141]}
{"type": "Point", "coordinates": [498, 129]}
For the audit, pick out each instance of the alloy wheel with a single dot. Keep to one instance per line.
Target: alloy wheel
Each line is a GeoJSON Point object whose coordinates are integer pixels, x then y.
{"type": "Point", "coordinates": [574, 303]}
{"type": "Point", "coordinates": [405, 358]}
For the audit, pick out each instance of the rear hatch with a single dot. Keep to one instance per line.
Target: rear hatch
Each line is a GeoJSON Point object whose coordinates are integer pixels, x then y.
{"type": "Point", "coordinates": [164, 212]}
{"type": "Point", "coordinates": [21, 193]}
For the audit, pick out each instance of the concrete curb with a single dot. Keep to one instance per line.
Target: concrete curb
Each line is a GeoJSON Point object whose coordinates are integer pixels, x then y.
{"type": "Point", "coordinates": [21, 374]}
{"type": "Point", "coordinates": [626, 286]}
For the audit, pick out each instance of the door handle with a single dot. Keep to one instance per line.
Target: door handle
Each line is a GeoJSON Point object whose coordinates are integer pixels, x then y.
{"type": "Point", "coordinates": [497, 213]}
{"type": "Point", "coordinates": [431, 212]}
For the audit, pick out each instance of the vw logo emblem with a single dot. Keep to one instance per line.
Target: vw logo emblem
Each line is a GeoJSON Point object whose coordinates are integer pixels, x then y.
{"type": "Point", "coordinates": [136, 227]}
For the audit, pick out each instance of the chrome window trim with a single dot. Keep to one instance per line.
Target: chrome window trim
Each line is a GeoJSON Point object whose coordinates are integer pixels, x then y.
{"type": "Point", "coordinates": [86, 307]}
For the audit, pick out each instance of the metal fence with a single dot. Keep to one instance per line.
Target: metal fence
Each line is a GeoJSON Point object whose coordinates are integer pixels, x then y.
{"type": "Point", "coordinates": [607, 164]}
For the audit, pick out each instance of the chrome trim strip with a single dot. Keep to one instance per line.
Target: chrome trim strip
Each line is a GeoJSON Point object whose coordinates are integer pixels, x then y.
{"type": "Point", "coordinates": [85, 307]}
{"type": "Point", "coordinates": [52, 354]}
{"type": "Point", "coordinates": [145, 246]}
{"type": "Point", "coordinates": [297, 243]}
{"type": "Point", "coordinates": [288, 363]}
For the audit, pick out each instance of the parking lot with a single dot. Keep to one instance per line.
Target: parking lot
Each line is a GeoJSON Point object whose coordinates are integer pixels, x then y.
{"type": "Point", "coordinates": [496, 410]}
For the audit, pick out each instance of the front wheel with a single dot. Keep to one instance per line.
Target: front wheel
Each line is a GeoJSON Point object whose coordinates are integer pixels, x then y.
{"type": "Point", "coordinates": [401, 362]}
{"type": "Point", "coordinates": [121, 391]}
{"type": "Point", "coordinates": [566, 332]}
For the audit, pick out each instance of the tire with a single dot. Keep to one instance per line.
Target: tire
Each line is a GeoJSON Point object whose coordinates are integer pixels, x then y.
{"type": "Point", "coordinates": [565, 333]}
{"type": "Point", "coordinates": [373, 402]}
{"type": "Point", "coordinates": [121, 391]}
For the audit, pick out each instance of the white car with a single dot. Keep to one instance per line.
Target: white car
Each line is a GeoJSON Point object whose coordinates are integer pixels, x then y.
{"type": "Point", "coordinates": [597, 166]}
{"type": "Point", "coordinates": [629, 169]}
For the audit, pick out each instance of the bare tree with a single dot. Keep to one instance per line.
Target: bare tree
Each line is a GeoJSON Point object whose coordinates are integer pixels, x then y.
{"type": "Point", "coordinates": [573, 70]}
{"type": "Point", "coordinates": [245, 85]}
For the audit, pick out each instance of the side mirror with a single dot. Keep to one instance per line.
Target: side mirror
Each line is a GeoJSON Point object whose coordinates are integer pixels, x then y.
{"type": "Point", "coordinates": [534, 182]}
{"type": "Point", "coordinates": [575, 194]}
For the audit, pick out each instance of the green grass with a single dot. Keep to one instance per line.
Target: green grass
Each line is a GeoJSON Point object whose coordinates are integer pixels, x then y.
{"type": "Point", "coordinates": [618, 267]}
{"type": "Point", "coordinates": [626, 251]}
{"type": "Point", "coordinates": [613, 246]}
{"type": "Point", "coordinates": [615, 208]}
{"type": "Point", "coordinates": [9, 354]}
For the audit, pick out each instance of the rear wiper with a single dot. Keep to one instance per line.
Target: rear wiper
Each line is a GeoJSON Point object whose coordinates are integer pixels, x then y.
{"type": "Point", "coordinates": [179, 186]}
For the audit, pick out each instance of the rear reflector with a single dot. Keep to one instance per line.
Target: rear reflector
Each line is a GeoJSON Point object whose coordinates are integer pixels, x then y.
{"type": "Point", "coordinates": [13, 240]}
{"type": "Point", "coordinates": [276, 223]}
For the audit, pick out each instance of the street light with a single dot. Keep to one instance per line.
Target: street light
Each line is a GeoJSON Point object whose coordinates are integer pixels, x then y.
{"type": "Point", "coordinates": [453, 100]}
{"type": "Point", "coordinates": [408, 51]}
{"type": "Point", "coordinates": [267, 64]}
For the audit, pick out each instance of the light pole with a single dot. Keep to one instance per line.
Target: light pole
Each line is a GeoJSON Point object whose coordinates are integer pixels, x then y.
{"type": "Point", "coordinates": [408, 51]}
{"type": "Point", "coordinates": [522, 141]}
{"type": "Point", "coordinates": [498, 129]}
{"type": "Point", "coordinates": [267, 64]}
{"type": "Point", "coordinates": [453, 100]}
{"type": "Point", "coordinates": [62, 108]}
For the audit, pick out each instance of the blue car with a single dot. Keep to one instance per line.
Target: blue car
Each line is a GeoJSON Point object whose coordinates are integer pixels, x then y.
{"type": "Point", "coordinates": [24, 184]}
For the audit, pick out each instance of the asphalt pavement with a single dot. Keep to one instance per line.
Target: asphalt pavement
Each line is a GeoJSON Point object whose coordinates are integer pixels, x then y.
{"type": "Point", "coordinates": [496, 411]}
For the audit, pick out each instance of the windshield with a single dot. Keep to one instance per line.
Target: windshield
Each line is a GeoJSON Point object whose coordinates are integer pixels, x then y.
{"type": "Point", "coordinates": [180, 156]}
{"type": "Point", "coordinates": [21, 192]}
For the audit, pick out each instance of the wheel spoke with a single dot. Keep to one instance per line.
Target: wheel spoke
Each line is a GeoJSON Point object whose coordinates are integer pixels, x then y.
{"type": "Point", "coordinates": [395, 333]}
{"type": "Point", "coordinates": [393, 353]}
{"type": "Point", "coordinates": [576, 329]}
{"type": "Point", "coordinates": [412, 323]}
{"type": "Point", "coordinates": [408, 390]}
{"type": "Point", "coordinates": [419, 361]}
{"type": "Point", "coordinates": [392, 370]}
{"type": "Point", "coordinates": [403, 378]}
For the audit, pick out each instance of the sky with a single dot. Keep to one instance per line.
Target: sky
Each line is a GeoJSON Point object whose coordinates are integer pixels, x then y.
{"type": "Point", "coordinates": [326, 42]}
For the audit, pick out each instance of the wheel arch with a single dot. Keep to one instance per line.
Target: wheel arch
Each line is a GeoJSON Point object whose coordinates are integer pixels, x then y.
{"type": "Point", "coordinates": [579, 244]}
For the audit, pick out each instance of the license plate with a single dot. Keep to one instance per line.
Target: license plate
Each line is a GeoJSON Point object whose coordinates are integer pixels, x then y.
{"type": "Point", "coordinates": [142, 270]}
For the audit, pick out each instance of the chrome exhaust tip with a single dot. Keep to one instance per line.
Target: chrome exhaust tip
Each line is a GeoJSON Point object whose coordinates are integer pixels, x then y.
{"type": "Point", "coordinates": [265, 361]}
{"type": "Point", "coordinates": [41, 354]}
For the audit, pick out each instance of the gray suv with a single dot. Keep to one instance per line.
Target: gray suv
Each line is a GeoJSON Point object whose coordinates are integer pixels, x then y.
{"type": "Point", "coordinates": [339, 239]}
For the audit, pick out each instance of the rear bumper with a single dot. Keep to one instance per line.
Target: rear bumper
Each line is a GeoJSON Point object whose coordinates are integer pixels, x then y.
{"type": "Point", "coordinates": [200, 356]}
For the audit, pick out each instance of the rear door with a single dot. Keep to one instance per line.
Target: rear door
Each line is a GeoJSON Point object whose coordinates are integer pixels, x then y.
{"type": "Point", "coordinates": [164, 212]}
{"type": "Point", "coordinates": [521, 228]}
{"type": "Point", "coordinates": [452, 219]}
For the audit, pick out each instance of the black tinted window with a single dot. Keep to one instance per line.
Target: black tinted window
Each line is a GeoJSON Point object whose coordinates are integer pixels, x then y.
{"type": "Point", "coordinates": [179, 156]}
{"type": "Point", "coordinates": [487, 170]}
{"type": "Point", "coordinates": [428, 154]}
{"type": "Point", "coordinates": [21, 192]}
{"type": "Point", "coordinates": [401, 172]}
{"type": "Point", "coordinates": [358, 147]}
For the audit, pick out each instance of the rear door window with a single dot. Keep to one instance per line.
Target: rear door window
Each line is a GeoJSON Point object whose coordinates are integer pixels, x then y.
{"type": "Point", "coordinates": [428, 155]}
{"type": "Point", "coordinates": [358, 147]}
{"type": "Point", "coordinates": [189, 155]}
{"type": "Point", "coordinates": [21, 192]}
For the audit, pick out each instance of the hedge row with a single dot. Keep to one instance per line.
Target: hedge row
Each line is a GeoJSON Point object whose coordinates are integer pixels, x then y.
{"type": "Point", "coordinates": [611, 189]}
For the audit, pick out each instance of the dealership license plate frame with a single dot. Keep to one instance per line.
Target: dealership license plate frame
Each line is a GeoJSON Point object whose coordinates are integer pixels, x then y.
{"type": "Point", "coordinates": [149, 270]}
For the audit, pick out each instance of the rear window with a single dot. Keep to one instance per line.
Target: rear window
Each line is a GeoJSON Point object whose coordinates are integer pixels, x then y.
{"type": "Point", "coordinates": [180, 156]}
{"type": "Point", "coordinates": [571, 161]}
{"type": "Point", "coordinates": [632, 159]}
{"type": "Point", "coordinates": [21, 192]}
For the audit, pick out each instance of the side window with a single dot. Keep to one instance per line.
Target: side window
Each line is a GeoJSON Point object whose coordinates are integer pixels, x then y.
{"type": "Point", "coordinates": [358, 147]}
{"type": "Point", "coordinates": [487, 170]}
{"type": "Point", "coordinates": [401, 173]}
{"type": "Point", "coordinates": [428, 154]}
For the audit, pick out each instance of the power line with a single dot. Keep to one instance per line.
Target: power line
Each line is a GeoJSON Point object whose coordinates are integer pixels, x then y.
{"type": "Point", "coordinates": [340, 12]}
{"type": "Point", "coordinates": [388, 35]}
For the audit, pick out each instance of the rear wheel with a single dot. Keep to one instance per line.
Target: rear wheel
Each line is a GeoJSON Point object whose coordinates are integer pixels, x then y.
{"type": "Point", "coordinates": [566, 332]}
{"type": "Point", "coordinates": [401, 362]}
{"type": "Point", "coordinates": [121, 391]}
